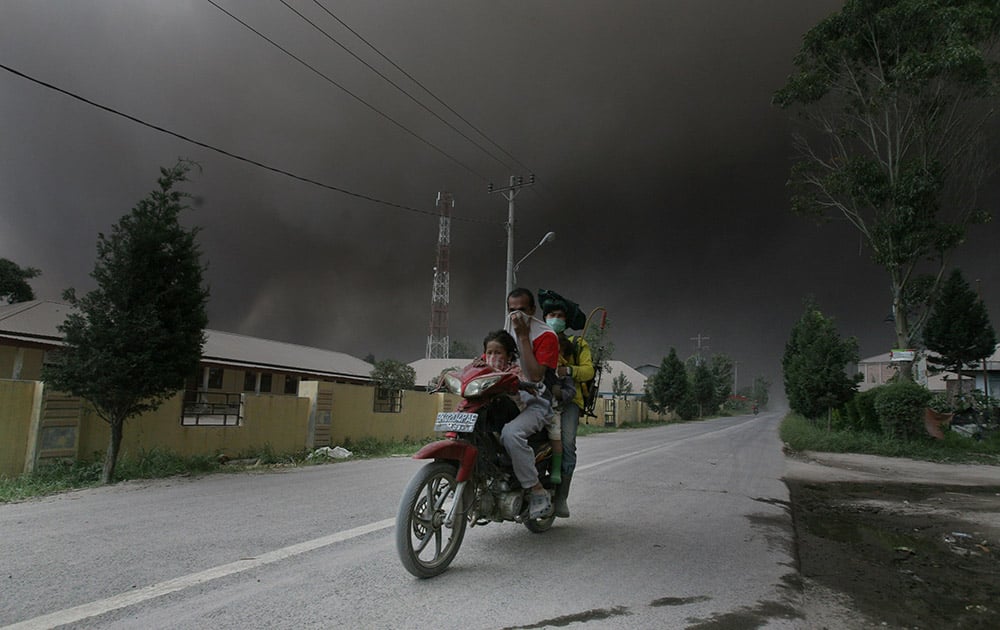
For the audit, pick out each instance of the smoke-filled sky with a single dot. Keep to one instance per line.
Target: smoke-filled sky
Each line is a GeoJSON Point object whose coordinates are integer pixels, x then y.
{"type": "Point", "coordinates": [660, 164]}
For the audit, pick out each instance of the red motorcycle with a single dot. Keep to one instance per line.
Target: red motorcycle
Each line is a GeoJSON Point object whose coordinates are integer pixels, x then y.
{"type": "Point", "coordinates": [471, 481]}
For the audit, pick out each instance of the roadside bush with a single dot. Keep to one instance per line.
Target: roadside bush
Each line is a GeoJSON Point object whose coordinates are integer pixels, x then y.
{"type": "Point", "coordinates": [861, 414]}
{"type": "Point", "coordinates": [687, 409]}
{"type": "Point", "coordinates": [900, 408]}
{"type": "Point", "coordinates": [939, 402]}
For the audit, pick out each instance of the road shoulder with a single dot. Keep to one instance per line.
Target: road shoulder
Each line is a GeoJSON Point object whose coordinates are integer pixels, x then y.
{"type": "Point", "coordinates": [895, 542]}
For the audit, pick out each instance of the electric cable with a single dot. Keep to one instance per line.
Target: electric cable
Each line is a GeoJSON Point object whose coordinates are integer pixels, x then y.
{"type": "Point", "coordinates": [351, 94]}
{"type": "Point", "coordinates": [541, 190]}
{"type": "Point", "coordinates": [422, 86]}
{"type": "Point", "coordinates": [236, 156]}
{"type": "Point", "coordinates": [394, 84]}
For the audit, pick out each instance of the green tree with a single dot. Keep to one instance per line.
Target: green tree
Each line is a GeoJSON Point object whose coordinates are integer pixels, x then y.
{"type": "Point", "coordinates": [621, 387]}
{"type": "Point", "coordinates": [722, 368]}
{"type": "Point", "coordinates": [393, 375]}
{"type": "Point", "coordinates": [668, 389]}
{"type": "Point", "coordinates": [959, 329]}
{"type": "Point", "coordinates": [896, 93]}
{"type": "Point", "coordinates": [14, 285]}
{"type": "Point", "coordinates": [135, 338]}
{"type": "Point", "coordinates": [703, 388]}
{"type": "Point", "coordinates": [760, 390]}
{"type": "Point", "coordinates": [814, 365]}
{"type": "Point", "coordinates": [757, 391]}
{"type": "Point", "coordinates": [598, 336]}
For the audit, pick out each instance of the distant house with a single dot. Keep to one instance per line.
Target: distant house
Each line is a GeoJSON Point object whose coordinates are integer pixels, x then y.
{"type": "Point", "coordinates": [984, 376]}
{"type": "Point", "coordinates": [231, 362]}
{"type": "Point", "coordinates": [428, 370]}
{"type": "Point", "coordinates": [647, 369]}
{"type": "Point", "coordinates": [616, 369]}
{"type": "Point", "coordinates": [880, 369]}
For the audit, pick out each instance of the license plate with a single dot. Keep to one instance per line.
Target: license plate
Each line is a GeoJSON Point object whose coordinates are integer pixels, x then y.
{"type": "Point", "coordinates": [455, 421]}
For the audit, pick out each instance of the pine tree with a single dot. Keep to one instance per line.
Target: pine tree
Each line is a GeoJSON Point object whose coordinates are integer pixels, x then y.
{"type": "Point", "coordinates": [135, 338]}
{"type": "Point", "coordinates": [668, 389]}
{"type": "Point", "coordinates": [959, 329]}
{"type": "Point", "coordinates": [703, 388]}
{"type": "Point", "coordinates": [814, 365]}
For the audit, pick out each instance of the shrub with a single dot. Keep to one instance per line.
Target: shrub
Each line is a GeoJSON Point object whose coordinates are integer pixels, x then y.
{"type": "Point", "coordinates": [900, 408]}
{"type": "Point", "coordinates": [940, 403]}
{"type": "Point", "coordinates": [861, 415]}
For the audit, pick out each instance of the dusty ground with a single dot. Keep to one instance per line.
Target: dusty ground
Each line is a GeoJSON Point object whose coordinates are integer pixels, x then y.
{"type": "Point", "coordinates": [895, 543]}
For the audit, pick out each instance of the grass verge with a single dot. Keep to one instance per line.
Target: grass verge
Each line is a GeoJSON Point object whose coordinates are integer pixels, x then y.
{"type": "Point", "coordinates": [799, 434]}
{"type": "Point", "coordinates": [63, 475]}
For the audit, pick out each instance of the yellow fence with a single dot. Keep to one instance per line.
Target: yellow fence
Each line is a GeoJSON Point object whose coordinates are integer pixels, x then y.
{"type": "Point", "coordinates": [20, 403]}
{"type": "Point", "coordinates": [33, 426]}
{"type": "Point", "coordinates": [323, 414]}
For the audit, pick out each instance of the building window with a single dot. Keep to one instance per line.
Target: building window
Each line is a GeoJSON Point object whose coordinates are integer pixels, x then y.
{"type": "Point", "coordinates": [250, 381]}
{"type": "Point", "coordinates": [215, 378]}
{"type": "Point", "coordinates": [388, 400]}
{"type": "Point", "coordinates": [265, 384]}
{"type": "Point", "coordinates": [212, 409]}
{"type": "Point", "coordinates": [291, 385]}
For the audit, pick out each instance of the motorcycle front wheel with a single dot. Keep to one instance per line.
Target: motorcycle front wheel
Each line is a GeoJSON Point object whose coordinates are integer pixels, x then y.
{"type": "Point", "coordinates": [426, 545]}
{"type": "Point", "coordinates": [540, 525]}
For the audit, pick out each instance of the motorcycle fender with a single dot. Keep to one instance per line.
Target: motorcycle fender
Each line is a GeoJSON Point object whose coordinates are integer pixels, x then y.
{"type": "Point", "coordinates": [461, 452]}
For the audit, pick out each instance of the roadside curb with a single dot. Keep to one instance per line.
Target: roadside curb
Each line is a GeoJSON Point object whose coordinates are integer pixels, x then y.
{"type": "Point", "coordinates": [830, 467]}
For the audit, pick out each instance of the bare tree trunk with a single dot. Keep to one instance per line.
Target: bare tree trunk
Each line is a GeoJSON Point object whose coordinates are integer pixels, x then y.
{"type": "Point", "coordinates": [902, 325]}
{"type": "Point", "coordinates": [111, 457]}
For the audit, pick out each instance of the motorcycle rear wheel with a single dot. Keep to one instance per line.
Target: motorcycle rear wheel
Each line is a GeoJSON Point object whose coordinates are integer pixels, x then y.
{"type": "Point", "coordinates": [426, 546]}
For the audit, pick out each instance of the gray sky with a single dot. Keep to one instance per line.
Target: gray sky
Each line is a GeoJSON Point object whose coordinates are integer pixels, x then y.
{"type": "Point", "coordinates": [661, 165]}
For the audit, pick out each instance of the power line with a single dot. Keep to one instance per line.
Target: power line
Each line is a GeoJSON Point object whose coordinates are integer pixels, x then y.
{"type": "Point", "coordinates": [231, 154]}
{"type": "Point", "coordinates": [393, 83]}
{"type": "Point", "coordinates": [540, 191]}
{"type": "Point", "coordinates": [352, 94]}
{"type": "Point", "coordinates": [423, 87]}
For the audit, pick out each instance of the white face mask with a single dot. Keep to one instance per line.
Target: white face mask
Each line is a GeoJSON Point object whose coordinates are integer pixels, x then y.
{"type": "Point", "coordinates": [496, 362]}
{"type": "Point", "coordinates": [556, 324]}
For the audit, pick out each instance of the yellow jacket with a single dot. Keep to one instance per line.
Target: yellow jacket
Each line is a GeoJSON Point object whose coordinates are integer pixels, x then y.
{"type": "Point", "coordinates": [582, 365]}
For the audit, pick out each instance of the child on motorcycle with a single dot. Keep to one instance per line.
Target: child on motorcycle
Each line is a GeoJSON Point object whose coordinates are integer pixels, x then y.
{"type": "Point", "coordinates": [500, 353]}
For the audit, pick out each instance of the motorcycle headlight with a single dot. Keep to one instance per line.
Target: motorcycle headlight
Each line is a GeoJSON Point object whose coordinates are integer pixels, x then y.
{"type": "Point", "coordinates": [478, 386]}
{"type": "Point", "coordinates": [453, 383]}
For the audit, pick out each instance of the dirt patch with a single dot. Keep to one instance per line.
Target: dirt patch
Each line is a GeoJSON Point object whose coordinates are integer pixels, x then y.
{"type": "Point", "coordinates": [904, 555]}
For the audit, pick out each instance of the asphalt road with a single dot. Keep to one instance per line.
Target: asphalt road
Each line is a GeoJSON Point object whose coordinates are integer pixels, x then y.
{"type": "Point", "coordinates": [672, 527]}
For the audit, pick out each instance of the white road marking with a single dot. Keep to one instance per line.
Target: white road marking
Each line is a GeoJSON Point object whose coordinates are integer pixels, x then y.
{"type": "Point", "coordinates": [84, 611]}
{"type": "Point", "coordinates": [624, 456]}
{"type": "Point", "coordinates": [93, 609]}
{"type": "Point", "coordinates": [671, 444]}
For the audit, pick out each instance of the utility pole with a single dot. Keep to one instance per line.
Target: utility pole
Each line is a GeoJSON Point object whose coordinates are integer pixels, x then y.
{"type": "Point", "coordinates": [699, 339]}
{"type": "Point", "coordinates": [437, 341]}
{"type": "Point", "coordinates": [509, 193]}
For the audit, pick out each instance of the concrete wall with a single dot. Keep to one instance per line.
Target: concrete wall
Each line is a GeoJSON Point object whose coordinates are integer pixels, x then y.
{"type": "Point", "coordinates": [274, 421]}
{"type": "Point", "coordinates": [19, 408]}
{"type": "Point", "coordinates": [632, 411]}
{"type": "Point", "coordinates": [279, 422]}
{"type": "Point", "coordinates": [21, 362]}
{"type": "Point", "coordinates": [354, 417]}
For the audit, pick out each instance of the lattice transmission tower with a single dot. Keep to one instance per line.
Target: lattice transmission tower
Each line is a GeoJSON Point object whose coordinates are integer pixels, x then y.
{"type": "Point", "coordinates": [437, 341]}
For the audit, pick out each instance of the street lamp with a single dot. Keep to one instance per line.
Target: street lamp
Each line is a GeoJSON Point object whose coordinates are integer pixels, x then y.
{"type": "Point", "coordinates": [548, 238]}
